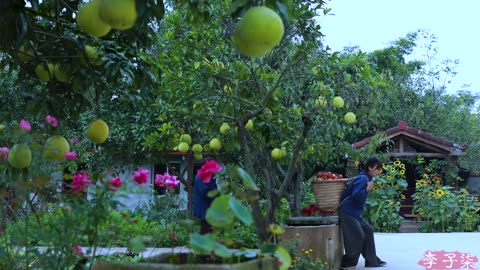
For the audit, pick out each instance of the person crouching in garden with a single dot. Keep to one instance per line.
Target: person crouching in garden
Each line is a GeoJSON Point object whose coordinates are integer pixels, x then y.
{"type": "Point", "coordinates": [358, 237]}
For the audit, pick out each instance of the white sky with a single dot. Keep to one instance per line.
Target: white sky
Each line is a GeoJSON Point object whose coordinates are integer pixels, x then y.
{"type": "Point", "coordinates": [373, 24]}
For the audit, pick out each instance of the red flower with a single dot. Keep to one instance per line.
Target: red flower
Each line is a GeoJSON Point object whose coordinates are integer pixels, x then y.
{"type": "Point", "coordinates": [51, 120]}
{"type": "Point", "coordinates": [115, 183]}
{"type": "Point", "coordinates": [311, 210]}
{"type": "Point", "coordinates": [70, 155]}
{"type": "Point", "coordinates": [80, 181]}
{"type": "Point", "coordinates": [25, 125]}
{"type": "Point", "coordinates": [141, 176]}
{"type": "Point", "coordinates": [208, 169]}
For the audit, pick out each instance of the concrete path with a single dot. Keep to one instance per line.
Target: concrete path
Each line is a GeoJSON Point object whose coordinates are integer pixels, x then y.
{"type": "Point", "coordinates": [403, 251]}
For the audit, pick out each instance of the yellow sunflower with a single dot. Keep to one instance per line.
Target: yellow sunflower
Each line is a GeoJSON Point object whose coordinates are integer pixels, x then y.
{"type": "Point", "coordinates": [402, 197]}
{"type": "Point", "coordinates": [375, 188]}
{"type": "Point", "coordinates": [440, 192]}
{"type": "Point", "coordinates": [389, 177]}
{"type": "Point", "coordinates": [392, 169]}
{"type": "Point", "coordinates": [402, 172]}
{"type": "Point", "coordinates": [397, 162]}
{"type": "Point", "coordinates": [431, 194]}
{"type": "Point", "coordinates": [418, 184]}
{"type": "Point", "coordinates": [402, 166]}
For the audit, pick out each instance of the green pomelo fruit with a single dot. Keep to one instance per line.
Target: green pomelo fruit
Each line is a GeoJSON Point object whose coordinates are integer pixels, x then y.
{"type": "Point", "coordinates": [259, 30]}
{"type": "Point", "coordinates": [183, 147]}
{"type": "Point", "coordinates": [321, 102]}
{"type": "Point", "coordinates": [92, 56]}
{"type": "Point", "coordinates": [276, 154]}
{"type": "Point", "coordinates": [349, 117]}
{"type": "Point", "coordinates": [197, 148]}
{"type": "Point", "coordinates": [43, 73]}
{"type": "Point", "coordinates": [89, 21]}
{"type": "Point", "coordinates": [186, 138]}
{"type": "Point", "coordinates": [338, 102]}
{"type": "Point", "coordinates": [119, 14]}
{"type": "Point", "coordinates": [25, 52]}
{"type": "Point", "coordinates": [249, 125]}
{"type": "Point", "coordinates": [97, 131]}
{"type": "Point", "coordinates": [56, 147]}
{"type": "Point", "coordinates": [224, 128]}
{"type": "Point", "coordinates": [215, 144]}
{"type": "Point", "coordinates": [61, 73]}
{"type": "Point", "coordinates": [20, 156]}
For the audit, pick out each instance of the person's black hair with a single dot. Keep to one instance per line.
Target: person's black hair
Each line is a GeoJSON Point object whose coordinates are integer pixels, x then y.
{"type": "Point", "coordinates": [371, 162]}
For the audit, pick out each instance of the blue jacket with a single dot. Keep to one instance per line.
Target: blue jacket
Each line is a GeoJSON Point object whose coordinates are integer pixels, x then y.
{"type": "Point", "coordinates": [201, 201]}
{"type": "Point", "coordinates": [356, 195]}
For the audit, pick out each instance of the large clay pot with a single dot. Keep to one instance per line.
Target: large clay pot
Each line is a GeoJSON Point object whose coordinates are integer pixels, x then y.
{"type": "Point", "coordinates": [171, 262]}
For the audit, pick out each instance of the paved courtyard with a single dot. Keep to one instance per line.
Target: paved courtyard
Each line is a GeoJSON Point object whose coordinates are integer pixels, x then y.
{"type": "Point", "coordinates": [403, 251]}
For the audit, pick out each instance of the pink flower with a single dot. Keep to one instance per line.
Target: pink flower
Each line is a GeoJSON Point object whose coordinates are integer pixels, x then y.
{"type": "Point", "coordinates": [80, 181]}
{"type": "Point", "coordinates": [25, 125]}
{"type": "Point", "coordinates": [4, 152]}
{"type": "Point", "coordinates": [141, 176]}
{"type": "Point", "coordinates": [78, 249]}
{"type": "Point", "coordinates": [70, 155]}
{"type": "Point", "coordinates": [115, 183]}
{"type": "Point", "coordinates": [166, 180]}
{"type": "Point", "coordinates": [208, 169]}
{"type": "Point", "coordinates": [52, 120]}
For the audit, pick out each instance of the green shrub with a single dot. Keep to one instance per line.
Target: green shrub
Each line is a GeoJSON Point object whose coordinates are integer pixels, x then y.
{"type": "Point", "coordinates": [383, 205]}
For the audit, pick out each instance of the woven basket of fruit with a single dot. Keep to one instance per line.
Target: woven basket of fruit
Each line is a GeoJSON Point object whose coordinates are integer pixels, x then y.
{"type": "Point", "coordinates": [328, 188]}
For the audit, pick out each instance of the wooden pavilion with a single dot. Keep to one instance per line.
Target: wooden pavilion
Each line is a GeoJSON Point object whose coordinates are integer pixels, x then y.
{"type": "Point", "coordinates": [403, 141]}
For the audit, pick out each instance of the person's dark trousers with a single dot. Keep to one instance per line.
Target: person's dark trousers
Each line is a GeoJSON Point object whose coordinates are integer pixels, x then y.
{"type": "Point", "coordinates": [357, 239]}
{"type": "Point", "coordinates": [205, 227]}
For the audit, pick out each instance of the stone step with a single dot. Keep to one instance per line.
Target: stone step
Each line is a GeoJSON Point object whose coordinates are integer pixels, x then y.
{"type": "Point", "coordinates": [409, 226]}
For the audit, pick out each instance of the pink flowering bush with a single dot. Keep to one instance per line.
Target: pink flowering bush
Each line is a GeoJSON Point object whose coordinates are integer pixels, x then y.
{"type": "Point", "coordinates": [25, 125]}
{"type": "Point", "coordinates": [66, 220]}
{"type": "Point", "coordinates": [4, 153]}
{"type": "Point", "coordinates": [51, 120]}
{"type": "Point", "coordinates": [166, 180]}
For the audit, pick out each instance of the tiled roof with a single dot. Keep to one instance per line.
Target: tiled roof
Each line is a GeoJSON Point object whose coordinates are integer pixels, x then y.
{"type": "Point", "coordinates": [403, 129]}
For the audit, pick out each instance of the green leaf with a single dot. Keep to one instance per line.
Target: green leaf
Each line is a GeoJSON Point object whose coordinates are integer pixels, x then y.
{"type": "Point", "coordinates": [284, 257]}
{"type": "Point", "coordinates": [219, 214]}
{"type": "Point", "coordinates": [282, 9]}
{"type": "Point", "coordinates": [202, 244]}
{"type": "Point", "coordinates": [236, 7]}
{"type": "Point", "coordinates": [158, 10]}
{"type": "Point", "coordinates": [241, 211]}
{"type": "Point", "coordinates": [222, 251]}
{"type": "Point", "coordinates": [246, 179]}
{"type": "Point", "coordinates": [137, 243]}
{"type": "Point", "coordinates": [276, 229]}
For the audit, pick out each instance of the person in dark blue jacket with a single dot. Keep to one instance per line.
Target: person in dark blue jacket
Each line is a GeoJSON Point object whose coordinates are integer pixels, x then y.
{"type": "Point", "coordinates": [201, 201]}
{"type": "Point", "coordinates": [358, 235]}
